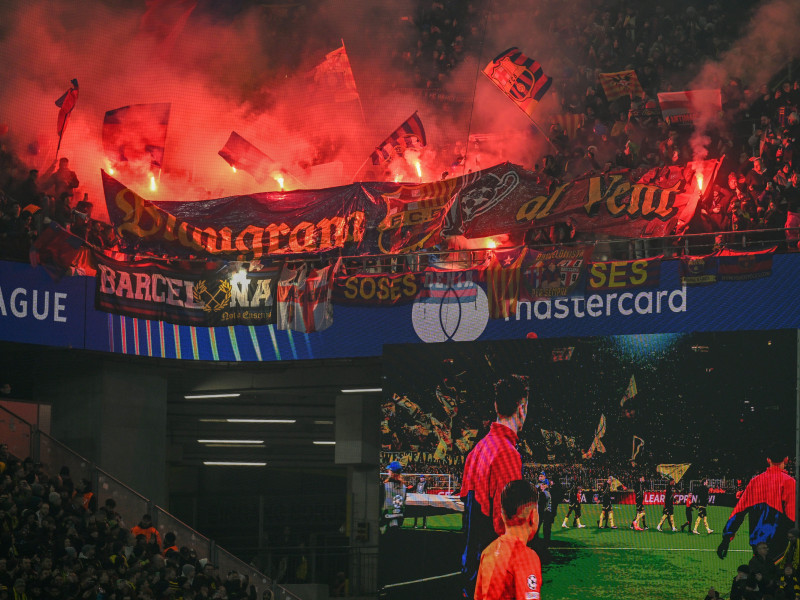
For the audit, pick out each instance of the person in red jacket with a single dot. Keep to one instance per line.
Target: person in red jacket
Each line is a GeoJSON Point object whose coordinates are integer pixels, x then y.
{"type": "Point", "coordinates": [492, 463]}
{"type": "Point", "coordinates": [509, 569]}
{"type": "Point", "coordinates": [769, 499]}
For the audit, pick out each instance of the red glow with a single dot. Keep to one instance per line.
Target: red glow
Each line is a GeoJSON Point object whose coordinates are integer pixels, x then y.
{"type": "Point", "coordinates": [699, 178]}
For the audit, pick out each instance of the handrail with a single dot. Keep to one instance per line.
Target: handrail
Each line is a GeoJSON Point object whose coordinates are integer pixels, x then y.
{"type": "Point", "coordinates": [48, 450]}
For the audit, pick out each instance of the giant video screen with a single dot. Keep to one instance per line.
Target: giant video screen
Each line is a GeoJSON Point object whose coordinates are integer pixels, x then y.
{"type": "Point", "coordinates": [632, 411]}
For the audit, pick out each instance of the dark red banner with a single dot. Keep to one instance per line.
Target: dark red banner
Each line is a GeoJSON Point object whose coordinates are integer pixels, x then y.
{"type": "Point", "coordinates": [391, 218]}
{"type": "Point", "coordinates": [626, 203]}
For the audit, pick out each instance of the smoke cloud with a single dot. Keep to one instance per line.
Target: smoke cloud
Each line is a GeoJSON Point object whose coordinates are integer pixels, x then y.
{"type": "Point", "coordinates": [244, 70]}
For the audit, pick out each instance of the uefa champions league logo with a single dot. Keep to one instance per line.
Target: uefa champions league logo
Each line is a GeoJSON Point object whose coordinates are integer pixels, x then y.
{"type": "Point", "coordinates": [450, 310]}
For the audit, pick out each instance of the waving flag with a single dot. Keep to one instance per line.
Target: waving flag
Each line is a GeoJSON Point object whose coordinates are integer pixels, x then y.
{"type": "Point", "coordinates": [334, 76]}
{"type": "Point", "coordinates": [619, 84]}
{"type": "Point", "coordinates": [551, 439]}
{"type": "Point", "coordinates": [503, 282]}
{"type": "Point", "coordinates": [136, 134]}
{"type": "Point", "coordinates": [570, 123]}
{"type": "Point", "coordinates": [241, 154]}
{"type": "Point", "coordinates": [66, 103]}
{"type": "Point", "coordinates": [636, 447]}
{"type": "Point", "coordinates": [686, 106]}
{"type": "Point", "coordinates": [411, 134]}
{"type": "Point", "coordinates": [673, 471]}
{"type": "Point", "coordinates": [520, 78]}
{"type": "Point", "coordinates": [304, 298]}
{"type": "Point", "coordinates": [597, 444]}
{"type": "Point", "coordinates": [61, 253]}
{"type": "Point", "coordinates": [630, 392]}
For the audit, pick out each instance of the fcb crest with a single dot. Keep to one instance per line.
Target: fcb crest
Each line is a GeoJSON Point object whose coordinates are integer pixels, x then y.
{"type": "Point", "coordinates": [517, 80]}
{"type": "Point", "coordinates": [697, 266]}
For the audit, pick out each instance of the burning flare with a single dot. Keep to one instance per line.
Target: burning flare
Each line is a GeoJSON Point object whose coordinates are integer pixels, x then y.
{"type": "Point", "coordinates": [419, 169]}
{"type": "Point", "coordinates": [699, 178]}
{"type": "Point", "coordinates": [152, 183]}
{"type": "Point", "coordinates": [279, 179]}
{"type": "Point", "coordinates": [234, 168]}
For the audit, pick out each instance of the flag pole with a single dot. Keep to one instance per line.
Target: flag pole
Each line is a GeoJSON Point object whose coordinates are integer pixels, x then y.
{"type": "Point", "coordinates": [360, 168]}
{"type": "Point", "coordinates": [543, 133]}
{"type": "Point", "coordinates": [360, 105]}
{"type": "Point", "coordinates": [58, 147]}
{"type": "Point", "coordinates": [474, 91]}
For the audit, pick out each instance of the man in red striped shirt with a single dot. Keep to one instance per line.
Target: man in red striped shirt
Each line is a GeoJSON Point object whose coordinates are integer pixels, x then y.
{"type": "Point", "coordinates": [509, 569]}
{"type": "Point", "coordinates": [492, 463]}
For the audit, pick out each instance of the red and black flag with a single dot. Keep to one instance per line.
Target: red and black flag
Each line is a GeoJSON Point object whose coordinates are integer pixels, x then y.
{"type": "Point", "coordinates": [520, 78]}
{"type": "Point", "coordinates": [241, 154]}
{"type": "Point", "coordinates": [411, 134]}
{"type": "Point", "coordinates": [66, 103]}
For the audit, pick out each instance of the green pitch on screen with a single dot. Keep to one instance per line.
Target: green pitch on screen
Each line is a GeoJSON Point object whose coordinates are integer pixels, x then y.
{"type": "Point", "coordinates": [616, 563]}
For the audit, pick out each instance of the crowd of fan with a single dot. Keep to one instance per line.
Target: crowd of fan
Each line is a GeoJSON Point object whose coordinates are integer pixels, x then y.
{"type": "Point", "coordinates": [758, 132]}
{"type": "Point", "coordinates": [29, 204]}
{"type": "Point", "coordinates": [758, 185]}
{"type": "Point", "coordinates": [56, 544]}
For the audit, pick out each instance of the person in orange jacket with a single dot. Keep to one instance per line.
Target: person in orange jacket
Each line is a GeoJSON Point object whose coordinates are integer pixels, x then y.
{"type": "Point", "coordinates": [145, 527]}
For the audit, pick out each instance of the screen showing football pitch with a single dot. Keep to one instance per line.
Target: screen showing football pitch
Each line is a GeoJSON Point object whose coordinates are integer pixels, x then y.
{"type": "Point", "coordinates": [657, 442]}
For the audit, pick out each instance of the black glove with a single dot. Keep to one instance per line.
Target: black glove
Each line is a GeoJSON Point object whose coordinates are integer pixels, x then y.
{"type": "Point", "coordinates": [722, 549]}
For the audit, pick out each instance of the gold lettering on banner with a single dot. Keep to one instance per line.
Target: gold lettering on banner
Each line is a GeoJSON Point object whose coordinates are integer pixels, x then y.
{"type": "Point", "coordinates": [142, 219]}
{"type": "Point", "coordinates": [302, 238]}
{"type": "Point", "coordinates": [135, 212]}
{"type": "Point", "coordinates": [540, 206]}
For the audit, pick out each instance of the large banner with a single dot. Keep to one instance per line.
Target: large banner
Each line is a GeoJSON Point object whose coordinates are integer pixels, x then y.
{"type": "Point", "coordinates": [390, 218]}
{"type": "Point", "coordinates": [627, 203]}
{"type": "Point", "coordinates": [249, 226]}
{"type": "Point", "coordinates": [188, 293]}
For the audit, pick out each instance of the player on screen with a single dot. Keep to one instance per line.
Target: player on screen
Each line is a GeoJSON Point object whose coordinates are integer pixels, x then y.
{"type": "Point", "coordinates": [769, 499]}
{"type": "Point", "coordinates": [574, 509]}
{"type": "Point", "coordinates": [607, 511]}
{"type": "Point", "coordinates": [640, 515]}
{"type": "Point", "coordinates": [702, 503]}
{"type": "Point", "coordinates": [492, 463]}
{"type": "Point", "coordinates": [689, 508]}
{"type": "Point", "coordinates": [669, 506]}
{"type": "Point", "coordinates": [508, 568]}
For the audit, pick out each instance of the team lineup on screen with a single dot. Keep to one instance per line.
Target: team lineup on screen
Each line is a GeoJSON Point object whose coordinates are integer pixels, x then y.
{"type": "Point", "coordinates": [651, 464]}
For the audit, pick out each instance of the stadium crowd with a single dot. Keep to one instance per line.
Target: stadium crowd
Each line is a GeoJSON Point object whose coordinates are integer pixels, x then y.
{"type": "Point", "coordinates": [757, 187]}
{"type": "Point", "coordinates": [57, 542]}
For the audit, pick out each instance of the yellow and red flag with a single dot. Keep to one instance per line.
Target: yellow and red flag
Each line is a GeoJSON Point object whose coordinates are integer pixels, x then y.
{"type": "Point", "coordinates": [619, 84]}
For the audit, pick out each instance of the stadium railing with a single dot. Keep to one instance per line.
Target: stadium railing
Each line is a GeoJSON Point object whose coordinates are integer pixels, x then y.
{"type": "Point", "coordinates": [25, 439]}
